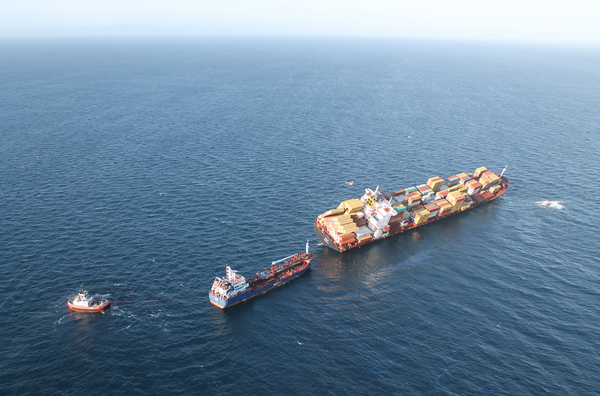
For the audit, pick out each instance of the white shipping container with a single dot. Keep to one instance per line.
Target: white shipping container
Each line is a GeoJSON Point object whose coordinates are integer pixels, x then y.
{"type": "Point", "coordinates": [428, 199]}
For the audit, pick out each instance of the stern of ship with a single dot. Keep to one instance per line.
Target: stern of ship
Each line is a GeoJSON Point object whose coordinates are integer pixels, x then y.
{"type": "Point", "coordinates": [325, 239]}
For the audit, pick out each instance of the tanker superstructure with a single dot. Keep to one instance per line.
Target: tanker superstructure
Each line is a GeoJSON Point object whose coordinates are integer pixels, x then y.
{"type": "Point", "coordinates": [376, 215]}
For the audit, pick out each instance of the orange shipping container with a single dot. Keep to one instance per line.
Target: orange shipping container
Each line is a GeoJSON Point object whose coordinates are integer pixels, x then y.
{"type": "Point", "coordinates": [366, 238]}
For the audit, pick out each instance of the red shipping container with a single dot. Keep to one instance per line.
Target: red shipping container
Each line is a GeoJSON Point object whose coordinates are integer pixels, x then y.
{"type": "Point", "coordinates": [443, 194]}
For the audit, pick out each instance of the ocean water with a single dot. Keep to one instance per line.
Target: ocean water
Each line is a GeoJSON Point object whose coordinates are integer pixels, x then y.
{"type": "Point", "coordinates": [141, 167]}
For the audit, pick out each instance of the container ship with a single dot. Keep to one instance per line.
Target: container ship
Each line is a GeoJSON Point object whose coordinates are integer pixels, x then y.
{"type": "Point", "coordinates": [377, 215]}
{"type": "Point", "coordinates": [235, 289]}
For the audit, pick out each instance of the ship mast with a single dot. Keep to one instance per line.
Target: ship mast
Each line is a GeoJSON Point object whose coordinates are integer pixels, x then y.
{"type": "Point", "coordinates": [503, 171]}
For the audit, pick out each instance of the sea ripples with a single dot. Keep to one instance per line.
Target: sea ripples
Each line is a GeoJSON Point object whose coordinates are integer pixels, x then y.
{"type": "Point", "coordinates": [142, 168]}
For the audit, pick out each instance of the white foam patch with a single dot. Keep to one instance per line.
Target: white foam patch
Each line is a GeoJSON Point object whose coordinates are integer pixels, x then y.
{"type": "Point", "coordinates": [551, 204]}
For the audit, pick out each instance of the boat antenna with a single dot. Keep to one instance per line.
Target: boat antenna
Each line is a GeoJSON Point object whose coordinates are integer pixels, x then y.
{"type": "Point", "coordinates": [503, 171]}
{"type": "Point", "coordinates": [307, 246]}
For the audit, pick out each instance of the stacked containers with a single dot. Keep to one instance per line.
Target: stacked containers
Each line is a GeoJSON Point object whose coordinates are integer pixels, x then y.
{"type": "Point", "coordinates": [463, 178]}
{"type": "Point", "coordinates": [433, 209]}
{"type": "Point", "coordinates": [424, 189]}
{"type": "Point", "coordinates": [456, 199]}
{"type": "Point", "coordinates": [479, 172]}
{"type": "Point", "coordinates": [400, 208]}
{"type": "Point", "coordinates": [413, 199]}
{"type": "Point", "coordinates": [443, 194]}
{"type": "Point", "coordinates": [420, 216]}
{"type": "Point", "coordinates": [455, 187]}
{"type": "Point", "coordinates": [467, 203]}
{"type": "Point", "coordinates": [397, 201]}
{"type": "Point", "coordinates": [398, 196]}
{"type": "Point", "coordinates": [396, 217]}
{"type": "Point", "coordinates": [452, 181]}
{"type": "Point", "coordinates": [489, 179]}
{"type": "Point", "coordinates": [340, 227]}
{"type": "Point", "coordinates": [343, 224]}
{"type": "Point", "coordinates": [473, 187]}
{"type": "Point", "coordinates": [352, 205]}
{"type": "Point", "coordinates": [445, 207]}
{"type": "Point", "coordinates": [435, 183]}
{"type": "Point", "coordinates": [332, 212]}
{"type": "Point", "coordinates": [346, 239]}
{"type": "Point", "coordinates": [449, 198]}
{"type": "Point", "coordinates": [495, 189]}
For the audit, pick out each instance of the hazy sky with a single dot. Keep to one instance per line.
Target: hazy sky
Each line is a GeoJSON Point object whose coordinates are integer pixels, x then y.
{"type": "Point", "coordinates": [569, 20]}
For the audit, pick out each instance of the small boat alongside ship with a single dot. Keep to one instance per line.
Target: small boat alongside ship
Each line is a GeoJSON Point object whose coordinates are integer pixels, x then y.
{"type": "Point", "coordinates": [234, 288]}
{"type": "Point", "coordinates": [83, 302]}
{"type": "Point", "coordinates": [377, 215]}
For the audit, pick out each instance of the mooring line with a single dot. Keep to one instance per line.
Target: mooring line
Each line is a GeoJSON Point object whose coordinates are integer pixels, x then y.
{"type": "Point", "coordinates": [170, 299]}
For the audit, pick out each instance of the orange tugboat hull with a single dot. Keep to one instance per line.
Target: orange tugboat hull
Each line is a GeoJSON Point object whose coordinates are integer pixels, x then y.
{"type": "Point", "coordinates": [96, 308]}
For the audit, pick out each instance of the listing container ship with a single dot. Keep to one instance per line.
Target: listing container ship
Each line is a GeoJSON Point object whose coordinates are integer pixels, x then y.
{"type": "Point", "coordinates": [235, 289]}
{"type": "Point", "coordinates": [377, 215]}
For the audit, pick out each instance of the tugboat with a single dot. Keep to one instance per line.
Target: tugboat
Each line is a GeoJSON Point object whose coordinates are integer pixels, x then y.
{"type": "Point", "coordinates": [235, 289]}
{"type": "Point", "coordinates": [84, 303]}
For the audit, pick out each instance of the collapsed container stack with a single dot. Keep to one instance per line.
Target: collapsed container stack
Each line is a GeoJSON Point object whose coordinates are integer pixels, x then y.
{"type": "Point", "coordinates": [375, 215]}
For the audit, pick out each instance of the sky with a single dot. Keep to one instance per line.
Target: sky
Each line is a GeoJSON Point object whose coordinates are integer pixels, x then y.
{"type": "Point", "coordinates": [530, 20]}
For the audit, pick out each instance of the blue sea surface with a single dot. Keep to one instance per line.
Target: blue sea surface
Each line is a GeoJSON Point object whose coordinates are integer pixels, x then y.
{"type": "Point", "coordinates": [141, 167]}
